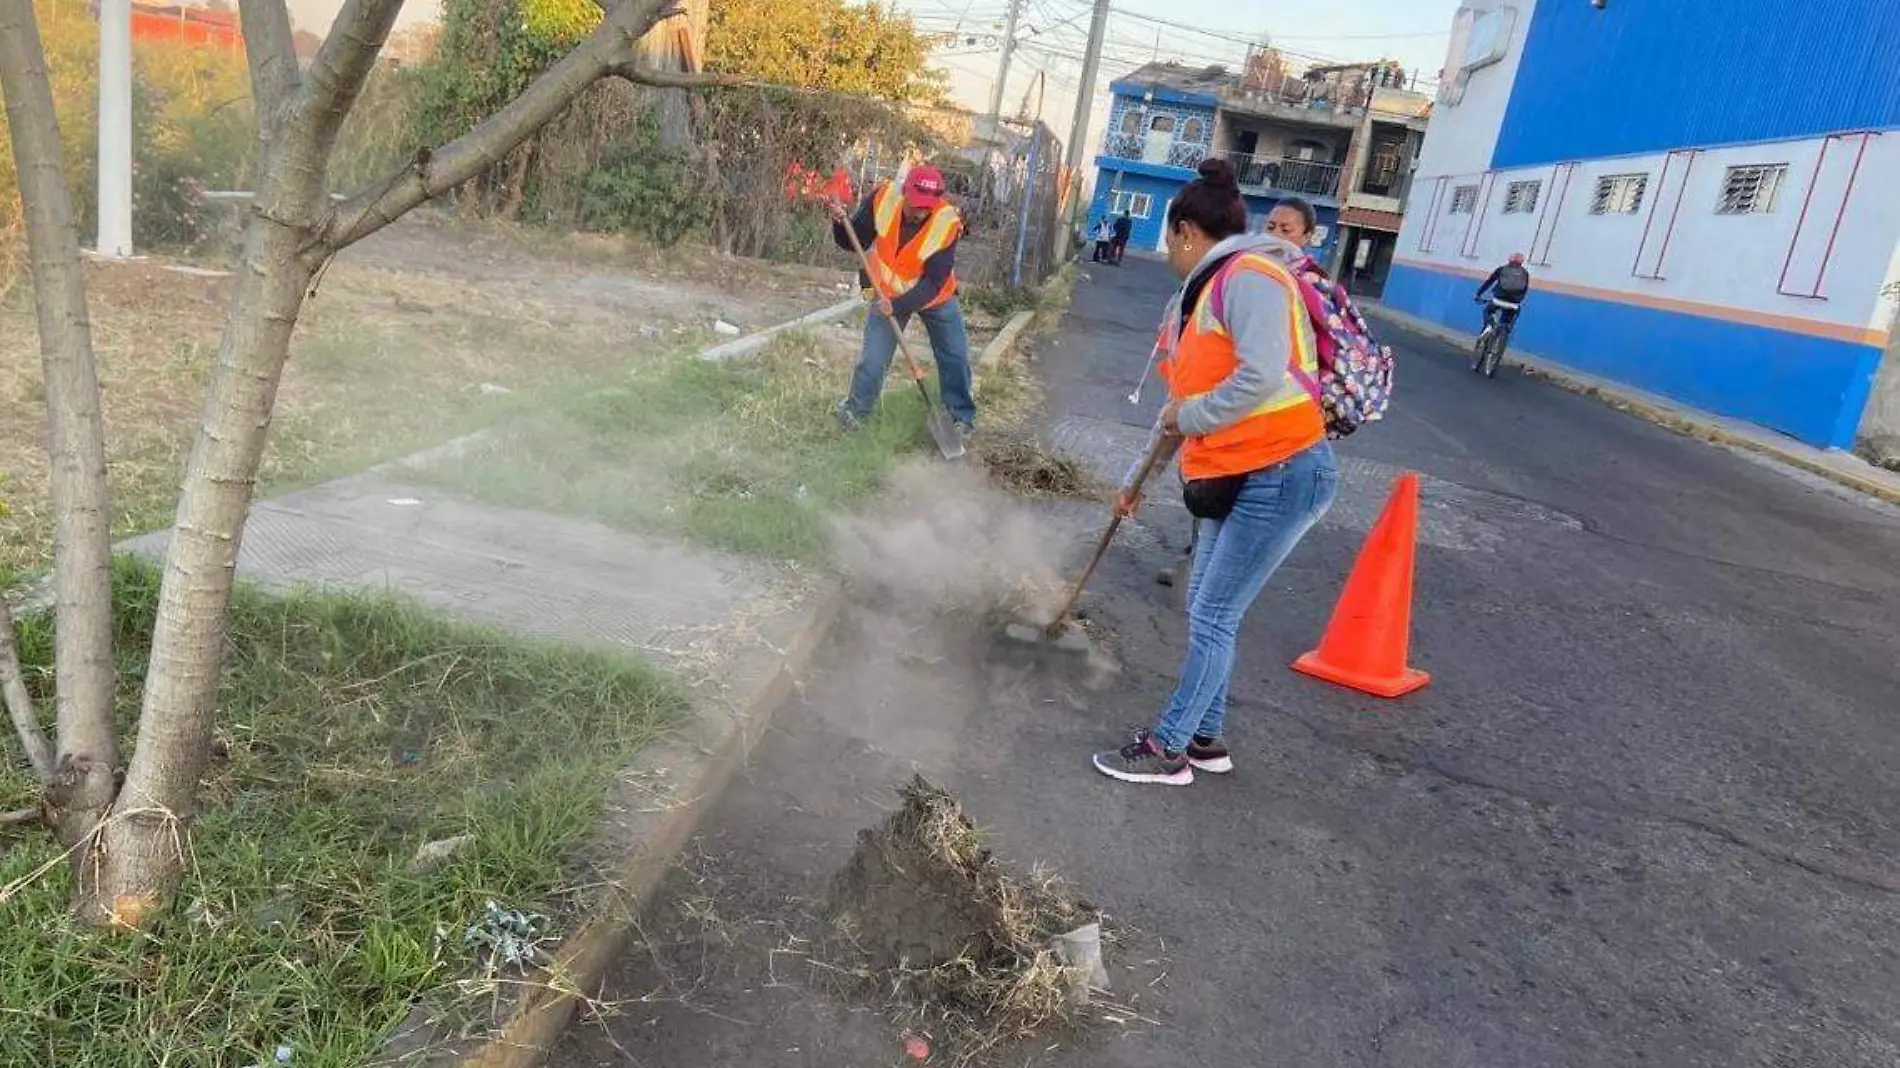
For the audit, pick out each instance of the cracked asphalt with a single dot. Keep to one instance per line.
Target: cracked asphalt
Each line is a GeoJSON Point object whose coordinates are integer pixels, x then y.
{"type": "Point", "coordinates": [1645, 813]}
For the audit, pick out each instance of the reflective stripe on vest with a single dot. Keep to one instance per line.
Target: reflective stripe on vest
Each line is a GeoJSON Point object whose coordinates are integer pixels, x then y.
{"type": "Point", "coordinates": [1288, 421]}
{"type": "Point", "coordinates": [898, 269]}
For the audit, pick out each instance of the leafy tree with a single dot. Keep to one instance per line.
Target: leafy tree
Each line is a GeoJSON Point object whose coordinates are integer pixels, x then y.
{"type": "Point", "coordinates": [823, 44]}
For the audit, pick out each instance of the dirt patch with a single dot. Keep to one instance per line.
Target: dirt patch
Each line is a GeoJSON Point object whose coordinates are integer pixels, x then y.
{"type": "Point", "coordinates": [424, 332]}
{"type": "Point", "coordinates": [935, 915]}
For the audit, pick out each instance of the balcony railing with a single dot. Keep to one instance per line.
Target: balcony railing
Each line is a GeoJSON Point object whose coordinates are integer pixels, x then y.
{"type": "Point", "coordinates": [1305, 177]}
{"type": "Point", "coordinates": [1134, 146]}
{"type": "Point", "coordinates": [1302, 176]}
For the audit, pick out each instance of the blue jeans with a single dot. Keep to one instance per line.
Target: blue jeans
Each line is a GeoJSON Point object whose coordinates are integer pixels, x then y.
{"type": "Point", "coordinates": [949, 343]}
{"type": "Point", "coordinates": [1233, 559]}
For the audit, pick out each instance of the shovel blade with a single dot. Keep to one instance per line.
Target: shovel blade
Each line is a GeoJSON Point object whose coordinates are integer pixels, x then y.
{"type": "Point", "coordinates": [944, 432]}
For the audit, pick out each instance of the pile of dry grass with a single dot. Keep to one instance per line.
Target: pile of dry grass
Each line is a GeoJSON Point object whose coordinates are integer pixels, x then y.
{"type": "Point", "coordinates": [935, 920]}
{"type": "Point", "coordinates": [1019, 463]}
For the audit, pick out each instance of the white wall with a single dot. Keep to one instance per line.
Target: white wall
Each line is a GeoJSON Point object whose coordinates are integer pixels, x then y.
{"type": "Point", "coordinates": [1732, 261]}
{"type": "Point", "coordinates": [1463, 136]}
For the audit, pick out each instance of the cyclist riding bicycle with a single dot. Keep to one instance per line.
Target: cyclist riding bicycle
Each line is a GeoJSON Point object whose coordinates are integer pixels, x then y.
{"type": "Point", "coordinates": [1512, 283]}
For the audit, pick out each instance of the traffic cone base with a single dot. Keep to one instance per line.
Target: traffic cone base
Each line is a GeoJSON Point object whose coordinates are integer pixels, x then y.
{"type": "Point", "coordinates": [1365, 646]}
{"type": "Point", "coordinates": [1407, 680]}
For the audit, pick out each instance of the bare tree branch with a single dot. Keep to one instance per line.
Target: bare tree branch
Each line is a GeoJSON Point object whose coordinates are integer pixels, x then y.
{"type": "Point", "coordinates": [270, 45]}
{"type": "Point", "coordinates": [638, 74]}
{"type": "Point", "coordinates": [343, 64]}
{"type": "Point", "coordinates": [603, 52]}
{"type": "Point", "coordinates": [26, 719]}
{"type": "Point", "coordinates": [82, 550]}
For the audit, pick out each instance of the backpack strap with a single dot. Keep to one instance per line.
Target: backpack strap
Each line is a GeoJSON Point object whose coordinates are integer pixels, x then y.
{"type": "Point", "coordinates": [1191, 295]}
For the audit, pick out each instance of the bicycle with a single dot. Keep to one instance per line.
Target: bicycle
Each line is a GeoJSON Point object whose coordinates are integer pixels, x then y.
{"type": "Point", "coordinates": [1500, 317]}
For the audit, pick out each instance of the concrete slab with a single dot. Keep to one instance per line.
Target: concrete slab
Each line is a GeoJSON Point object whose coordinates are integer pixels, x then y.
{"type": "Point", "coordinates": [536, 574]}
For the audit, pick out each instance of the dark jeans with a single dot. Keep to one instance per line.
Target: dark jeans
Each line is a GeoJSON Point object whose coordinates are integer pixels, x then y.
{"type": "Point", "coordinates": [1121, 246]}
{"type": "Point", "coordinates": [949, 343]}
{"type": "Point", "coordinates": [1493, 314]}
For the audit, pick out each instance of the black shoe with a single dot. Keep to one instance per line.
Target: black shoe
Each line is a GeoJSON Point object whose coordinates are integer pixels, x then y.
{"type": "Point", "coordinates": [1209, 755]}
{"type": "Point", "coordinates": [1144, 761]}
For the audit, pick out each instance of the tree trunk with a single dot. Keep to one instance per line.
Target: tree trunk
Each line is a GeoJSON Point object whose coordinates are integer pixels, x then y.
{"type": "Point", "coordinates": [142, 856]}
{"type": "Point", "coordinates": [133, 857]}
{"type": "Point", "coordinates": [81, 788]}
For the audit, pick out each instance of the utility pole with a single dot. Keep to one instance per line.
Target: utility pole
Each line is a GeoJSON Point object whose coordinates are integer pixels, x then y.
{"type": "Point", "coordinates": [1085, 90]}
{"type": "Point", "coordinates": [1002, 65]}
{"type": "Point", "coordinates": [115, 128]}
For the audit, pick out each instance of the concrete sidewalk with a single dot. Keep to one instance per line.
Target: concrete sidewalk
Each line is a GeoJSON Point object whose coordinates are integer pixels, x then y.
{"type": "Point", "coordinates": [1844, 468]}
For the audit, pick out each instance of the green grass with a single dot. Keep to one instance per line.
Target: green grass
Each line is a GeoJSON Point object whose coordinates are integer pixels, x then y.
{"type": "Point", "coordinates": [351, 730]}
{"type": "Point", "coordinates": [742, 455]}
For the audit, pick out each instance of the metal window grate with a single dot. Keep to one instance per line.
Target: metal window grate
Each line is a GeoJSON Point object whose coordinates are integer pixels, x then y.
{"type": "Point", "coordinates": [1619, 194]}
{"type": "Point", "coordinates": [1464, 200]}
{"type": "Point", "coordinates": [1130, 203]}
{"type": "Point", "coordinates": [1752, 190]}
{"type": "Point", "coordinates": [1520, 198]}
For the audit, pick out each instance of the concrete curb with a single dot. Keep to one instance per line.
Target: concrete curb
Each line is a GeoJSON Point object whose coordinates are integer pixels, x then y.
{"type": "Point", "coordinates": [658, 805]}
{"type": "Point", "coordinates": [1842, 468]}
{"type": "Point", "coordinates": [1005, 340]}
{"type": "Point", "coordinates": [752, 343]}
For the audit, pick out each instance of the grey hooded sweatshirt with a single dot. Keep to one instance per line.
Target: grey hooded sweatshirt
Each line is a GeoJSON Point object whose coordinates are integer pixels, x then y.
{"type": "Point", "coordinates": [1255, 312]}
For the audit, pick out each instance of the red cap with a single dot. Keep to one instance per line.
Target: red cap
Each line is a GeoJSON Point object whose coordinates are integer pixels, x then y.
{"type": "Point", "coordinates": [923, 187]}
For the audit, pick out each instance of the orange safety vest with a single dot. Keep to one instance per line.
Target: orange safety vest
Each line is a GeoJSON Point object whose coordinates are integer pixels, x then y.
{"type": "Point", "coordinates": [897, 268]}
{"type": "Point", "coordinates": [1287, 423]}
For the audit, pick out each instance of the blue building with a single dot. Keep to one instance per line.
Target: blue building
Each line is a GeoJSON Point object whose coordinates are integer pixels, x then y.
{"type": "Point", "coordinates": [1166, 118]}
{"type": "Point", "coordinates": [1704, 190]}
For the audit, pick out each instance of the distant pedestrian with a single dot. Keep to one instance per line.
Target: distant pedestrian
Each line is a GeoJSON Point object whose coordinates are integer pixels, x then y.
{"type": "Point", "coordinates": [1104, 235]}
{"type": "Point", "coordinates": [1124, 226]}
{"type": "Point", "coordinates": [1245, 420]}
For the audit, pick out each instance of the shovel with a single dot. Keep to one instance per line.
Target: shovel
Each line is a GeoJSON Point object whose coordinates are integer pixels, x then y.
{"type": "Point", "coordinates": [942, 428]}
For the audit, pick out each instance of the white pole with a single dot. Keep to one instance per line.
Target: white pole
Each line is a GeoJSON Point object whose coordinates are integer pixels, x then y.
{"type": "Point", "coordinates": [115, 128]}
{"type": "Point", "coordinates": [1002, 64]}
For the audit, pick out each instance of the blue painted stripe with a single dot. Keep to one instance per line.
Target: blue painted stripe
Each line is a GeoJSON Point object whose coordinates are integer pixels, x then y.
{"type": "Point", "coordinates": [1809, 387]}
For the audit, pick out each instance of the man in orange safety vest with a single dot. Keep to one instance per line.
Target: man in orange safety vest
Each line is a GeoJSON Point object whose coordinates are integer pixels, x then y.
{"type": "Point", "coordinates": [911, 236]}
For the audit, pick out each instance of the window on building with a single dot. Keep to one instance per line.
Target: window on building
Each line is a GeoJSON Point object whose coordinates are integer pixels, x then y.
{"type": "Point", "coordinates": [1308, 151]}
{"type": "Point", "coordinates": [1520, 198]}
{"type": "Point", "coordinates": [1194, 130]}
{"type": "Point", "coordinates": [1131, 122]}
{"type": "Point", "coordinates": [1464, 200]}
{"type": "Point", "coordinates": [1752, 190]}
{"type": "Point", "coordinates": [1130, 203]}
{"type": "Point", "coordinates": [1619, 194]}
{"type": "Point", "coordinates": [1161, 124]}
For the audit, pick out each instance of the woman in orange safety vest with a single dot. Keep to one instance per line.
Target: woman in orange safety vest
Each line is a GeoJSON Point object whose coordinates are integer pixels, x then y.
{"type": "Point", "coordinates": [1243, 415]}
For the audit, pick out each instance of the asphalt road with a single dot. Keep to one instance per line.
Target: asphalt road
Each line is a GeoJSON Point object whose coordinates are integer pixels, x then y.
{"type": "Point", "coordinates": [1645, 813]}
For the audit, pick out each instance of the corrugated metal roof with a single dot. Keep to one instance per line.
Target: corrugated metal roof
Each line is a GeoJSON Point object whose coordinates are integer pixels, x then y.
{"type": "Point", "coordinates": [1643, 77]}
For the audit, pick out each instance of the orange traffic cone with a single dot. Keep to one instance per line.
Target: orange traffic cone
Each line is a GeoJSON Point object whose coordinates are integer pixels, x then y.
{"type": "Point", "coordinates": [1365, 645]}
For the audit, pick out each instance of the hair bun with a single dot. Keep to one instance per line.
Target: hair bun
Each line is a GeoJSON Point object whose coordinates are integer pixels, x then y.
{"type": "Point", "coordinates": [1218, 173]}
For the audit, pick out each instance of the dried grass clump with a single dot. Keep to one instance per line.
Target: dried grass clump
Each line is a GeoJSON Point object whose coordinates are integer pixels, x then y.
{"type": "Point", "coordinates": [941, 925]}
{"type": "Point", "coordinates": [1020, 464]}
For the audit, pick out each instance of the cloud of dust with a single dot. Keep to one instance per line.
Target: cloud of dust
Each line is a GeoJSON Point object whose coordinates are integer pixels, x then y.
{"type": "Point", "coordinates": [949, 540]}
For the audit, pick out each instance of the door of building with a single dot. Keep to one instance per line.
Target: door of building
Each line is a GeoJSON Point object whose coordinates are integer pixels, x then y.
{"type": "Point", "coordinates": [1160, 140]}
